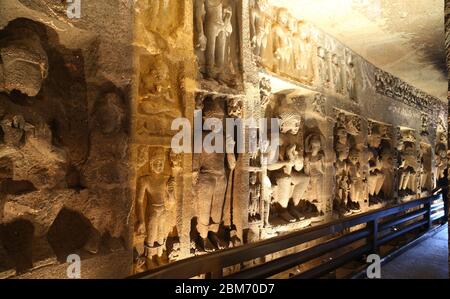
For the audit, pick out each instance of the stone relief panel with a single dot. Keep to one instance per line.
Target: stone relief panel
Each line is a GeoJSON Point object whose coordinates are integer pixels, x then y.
{"type": "Point", "coordinates": [441, 157]}
{"type": "Point", "coordinates": [216, 40]}
{"type": "Point", "coordinates": [158, 98]}
{"type": "Point", "coordinates": [156, 240]}
{"type": "Point", "coordinates": [409, 164]}
{"type": "Point", "coordinates": [213, 224]}
{"type": "Point", "coordinates": [381, 163]}
{"type": "Point", "coordinates": [394, 88]}
{"type": "Point", "coordinates": [351, 171]}
{"type": "Point", "coordinates": [281, 43]}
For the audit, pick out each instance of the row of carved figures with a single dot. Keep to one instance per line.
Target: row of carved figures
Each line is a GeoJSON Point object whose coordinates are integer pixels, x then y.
{"type": "Point", "coordinates": [285, 45]}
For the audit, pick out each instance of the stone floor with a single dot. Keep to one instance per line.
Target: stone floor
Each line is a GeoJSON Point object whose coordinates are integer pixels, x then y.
{"type": "Point", "coordinates": [428, 260]}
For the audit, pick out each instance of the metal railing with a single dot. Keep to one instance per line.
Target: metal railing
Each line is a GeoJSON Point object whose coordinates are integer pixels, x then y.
{"type": "Point", "coordinates": [365, 233]}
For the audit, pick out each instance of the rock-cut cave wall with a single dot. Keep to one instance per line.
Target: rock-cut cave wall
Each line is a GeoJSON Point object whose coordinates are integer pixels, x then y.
{"type": "Point", "coordinates": [87, 108]}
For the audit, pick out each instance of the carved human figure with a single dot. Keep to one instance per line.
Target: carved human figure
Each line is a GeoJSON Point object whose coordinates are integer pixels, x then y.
{"type": "Point", "coordinates": [357, 180]}
{"type": "Point", "coordinates": [290, 123]}
{"type": "Point", "coordinates": [282, 42]}
{"type": "Point", "coordinates": [217, 29]}
{"type": "Point", "coordinates": [408, 167]}
{"type": "Point", "coordinates": [336, 70]}
{"type": "Point", "coordinates": [303, 51]}
{"type": "Point", "coordinates": [158, 95]}
{"type": "Point", "coordinates": [441, 160]}
{"type": "Point", "coordinates": [155, 196]}
{"type": "Point", "coordinates": [254, 198]}
{"type": "Point", "coordinates": [260, 27]}
{"type": "Point", "coordinates": [388, 171]}
{"type": "Point", "coordinates": [199, 21]}
{"type": "Point", "coordinates": [289, 183]}
{"type": "Point", "coordinates": [342, 176]}
{"type": "Point", "coordinates": [314, 164]}
{"type": "Point", "coordinates": [211, 186]}
{"type": "Point", "coordinates": [324, 70]}
{"type": "Point", "coordinates": [109, 144]}
{"type": "Point", "coordinates": [351, 78]}
{"type": "Point", "coordinates": [235, 107]}
{"type": "Point", "coordinates": [376, 175]}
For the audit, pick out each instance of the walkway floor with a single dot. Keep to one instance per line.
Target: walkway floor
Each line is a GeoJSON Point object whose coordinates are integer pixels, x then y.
{"type": "Point", "coordinates": [428, 260]}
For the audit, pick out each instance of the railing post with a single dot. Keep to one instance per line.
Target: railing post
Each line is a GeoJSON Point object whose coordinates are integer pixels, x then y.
{"type": "Point", "coordinates": [428, 215]}
{"type": "Point", "coordinates": [445, 198]}
{"type": "Point", "coordinates": [374, 237]}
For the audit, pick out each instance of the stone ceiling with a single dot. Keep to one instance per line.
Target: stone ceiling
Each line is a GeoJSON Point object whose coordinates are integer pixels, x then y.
{"type": "Point", "coordinates": [403, 37]}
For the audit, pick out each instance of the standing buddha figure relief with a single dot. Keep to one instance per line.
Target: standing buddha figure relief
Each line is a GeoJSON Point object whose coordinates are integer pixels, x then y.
{"type": "Point", "coordinates": [303, 53]}
{"type": "Point", "coordinates": [409, 165]}
{"type": "Point", "coordinates": [324, 66]}
{"type": "Point", "coordinates": [210, 178]}
{"type": "Point", "coordinates": [255, 205]}
{"type": "Point", "coordinates": [376, 176]}
{"type": "Point", "coordinates": [260, 27]}
{"type": "Point", "coordinates": [341, 165]}
{"type": "Point", "coordinates": [282, 43]}
{"type": "Point", "coordinates": [358, 181]}
{"type": "Point", "coordinates": [351, 78]}
{"type": "Point", "coordinates": [155, 197]}
{"type": "Point", "coordinates": [213, 29]}
{"type": "Point", "coordinates": [336, 70]}
{"type": "Point", "coordinates": [314, 164]}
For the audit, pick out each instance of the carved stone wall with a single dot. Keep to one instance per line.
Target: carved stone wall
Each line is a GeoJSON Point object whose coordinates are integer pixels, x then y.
{"type": "Point", "coordinates": [64, 148]}
{"type": "Point", "coordinates": [87, 110]}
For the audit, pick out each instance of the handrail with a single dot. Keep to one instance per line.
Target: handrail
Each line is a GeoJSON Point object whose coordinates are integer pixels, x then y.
{"type": "Point", "coordinates": [213, 264]}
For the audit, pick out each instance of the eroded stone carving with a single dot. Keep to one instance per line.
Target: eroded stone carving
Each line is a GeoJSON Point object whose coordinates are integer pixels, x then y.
{"type": "Point", "coordinates": [23, 61]}
{"type": "Point", "coordinates": [260, 27]}
{"type": "Point", "coordinates": [441, 158]}
{"type": "Point", "coordinates": [319, 104]}
{"type": "Point", "coordinates": [158, 97]}
{"type": "Point", "coordinates": [324, 66]}
{"type": "Point", "coordinates": [337, 73]}
{"type": "Point", "coordinates": [380, 164]}
{"type": "Point", "coordinates": [351, 77]}
{"type": "Point", "coordinates": [351, 176]}
{"type": "Point", "coordinates": [388, 85]}
{"type": "Point", "coordinates": [211, 181]}
{"type": "Point", "coordinates": [155, 196]}
{"type": "Point", "coordinates": [409, 164]}
{"type": "Point", "coordinates": [282, 43]}
{"type": "Point", "coordinates": [213, 30]}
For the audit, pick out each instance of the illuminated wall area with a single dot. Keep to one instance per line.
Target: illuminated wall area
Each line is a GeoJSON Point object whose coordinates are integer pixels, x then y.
{"type": "Point", "coordinates": [90, 106]}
